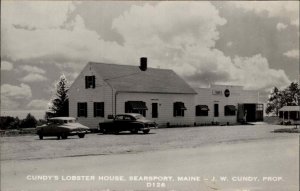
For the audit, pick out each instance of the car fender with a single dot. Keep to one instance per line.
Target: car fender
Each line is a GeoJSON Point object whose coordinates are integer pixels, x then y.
{"type": "Point", "coordinates": [138, 124]}
{"type": "Point", "coordinates": [39, 130]}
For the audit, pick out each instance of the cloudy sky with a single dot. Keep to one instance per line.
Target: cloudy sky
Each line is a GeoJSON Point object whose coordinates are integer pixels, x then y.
{"type": "Point", "coordinates": [254, 44]}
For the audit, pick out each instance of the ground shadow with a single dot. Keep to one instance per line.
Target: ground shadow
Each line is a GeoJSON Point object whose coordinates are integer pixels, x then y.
{"type": "Point", "coordinates": [127, 133]}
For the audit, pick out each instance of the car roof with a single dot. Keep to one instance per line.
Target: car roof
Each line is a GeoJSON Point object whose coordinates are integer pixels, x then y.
{"type": "Point", "coordinates": [62, 118]}
{"type": "Point", "coordinates": [132, 114]}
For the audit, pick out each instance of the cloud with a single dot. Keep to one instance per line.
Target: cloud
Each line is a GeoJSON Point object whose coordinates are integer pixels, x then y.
{"type": "Point", "coordinates": [184, 37]}
{"type": "Point", "coordinates": [8, 103]}
{"type": "Point", "coordinates": [38, 104]}
{"type": "Point", "coordinates": [229, 44]}
{"type": "Point", "coordinates": [35, 15]}
{"type": "Point", "coordinates": [292, 54]}
{"type": "Point", "coordinates": [281, 9]}
{"type": "Point", "coordinates": [11, 95]}
{"type": "Point", "coordinates": [176, 35]}
{"type": "Point", "coordinates": [295, 22]}
{"type": "Point", "coordinates": [254, 73]}
{"type": "Point", "coordinates": [5, 65]}
{"type": "Point", "coordinates": [75, 43]}
{"type": "Point", "coordinates": [281, 26]}
{"type": "Point", "coordinates": [32, 69]}
{"type": "Point", "coordinates": [34, 78]}
{"type": "Point", "coordinates": [17, 92]}
{"type": "Point", "coordinates": [180, 23]}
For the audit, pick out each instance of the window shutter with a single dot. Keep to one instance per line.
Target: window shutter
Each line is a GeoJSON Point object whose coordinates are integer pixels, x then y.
{"type": "Point", "coordinates": [126, 107]}
{"type": "Point", "coordinates": [78, 109]}
{"type": "Point", "coordinates": [86, 82]}
{"type": "Point", "coordinates": [102, 109]}
{"type": "Point", "coordinates": [93, 78]}
{"type": "Point", "coordinates": [85, 109]}
{"type": "Point", "coordinates": [95, 109]}
{"type": "Point", "coordinates": [174, 109]}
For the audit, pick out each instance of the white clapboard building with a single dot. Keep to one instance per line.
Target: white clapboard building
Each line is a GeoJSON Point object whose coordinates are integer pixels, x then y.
{"type": "Point", "coordinates": [159, 94]}
{"type": "Point", "coordinates": [104, 89]}
{"type": "Point", "coordinates": [225, 104]}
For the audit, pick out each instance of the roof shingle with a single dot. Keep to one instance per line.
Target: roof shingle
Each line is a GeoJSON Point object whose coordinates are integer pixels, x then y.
{"type": "Point", "coordinates": [132, 79]}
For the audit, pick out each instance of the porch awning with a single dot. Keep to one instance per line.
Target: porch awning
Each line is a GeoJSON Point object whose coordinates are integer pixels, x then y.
{"type": "Point", "coordinates": [290, 108]}
{"type": "Point", "coordinates": [231, 107]}
{"type": "Point", "coordinates": [180, 105]}
{"type": "Point", "coordinates": [137, 105]}
{"type": "Point", "coordinates": [203, 107]}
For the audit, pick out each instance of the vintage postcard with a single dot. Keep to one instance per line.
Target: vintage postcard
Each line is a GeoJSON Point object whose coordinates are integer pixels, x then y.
{"type": "Point", "coordinates": [149, 95]}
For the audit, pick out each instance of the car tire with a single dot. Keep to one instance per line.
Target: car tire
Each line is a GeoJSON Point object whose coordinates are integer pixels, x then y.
{"type": "Point", "coordinates": [81, 135]}
{"type": "Point", "coordinates": [64, 136]}
{"type": "Point", "coordinates": [58, 137]}
{"type": "Point", "coordinates": [103, 131]}
{"type": "Point", "coordinates": [146, 131]}
{"type": "Point", "coordinates": [41, 136]}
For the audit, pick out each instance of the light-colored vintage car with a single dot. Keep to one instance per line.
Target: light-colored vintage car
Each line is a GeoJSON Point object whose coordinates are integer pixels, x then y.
{"type": "Point", "coordinates": [62, 127]}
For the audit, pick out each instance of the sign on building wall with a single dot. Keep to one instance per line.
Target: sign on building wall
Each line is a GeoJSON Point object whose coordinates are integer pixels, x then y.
{"type": "Point", "coordinates": [217, 92]}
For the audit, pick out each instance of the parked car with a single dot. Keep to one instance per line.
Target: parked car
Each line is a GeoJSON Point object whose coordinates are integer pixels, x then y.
{"type": "Point", "coordinates": [133, 122]}
{"type": "Point", "coordinates": [62, 127]}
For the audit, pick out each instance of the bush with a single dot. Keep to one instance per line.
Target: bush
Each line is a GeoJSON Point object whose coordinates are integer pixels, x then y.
{"type": "Point", "coordinates": [7, 122]}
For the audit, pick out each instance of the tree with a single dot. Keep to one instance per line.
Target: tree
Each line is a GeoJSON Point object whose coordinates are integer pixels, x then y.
{"type": "Point", "coordinates": [15, 124]}
{"type": "Point", "coordinates": [290, 96]}
{"type": "Point", "coordinates": [60, 104]}
{"type": "Point", "coordinates": [274, 101]}
{"type": "Point", "coordinates": [29, 121]}
{"type": "Point", "coordinates": [7, 122]}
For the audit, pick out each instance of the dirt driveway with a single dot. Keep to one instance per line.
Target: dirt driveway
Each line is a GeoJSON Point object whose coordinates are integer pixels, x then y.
{"type": "Point", "coordinates": [30, 147]}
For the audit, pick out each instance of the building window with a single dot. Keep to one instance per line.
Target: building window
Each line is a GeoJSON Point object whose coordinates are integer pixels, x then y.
{"type": "Point", "coordinates": [259, 107]}
{"type": "Point", "coordinates": [216, 110]}
{"type": "Point", "coordinates": [154, 110]}
{"type": "Point", "coordinates": [202, 110]}
{"type": "Point", "coordinates": [229, 110]}
{"type": "Point", "coordinates": [178, 109]}
{"type": "Point", "coordinates": [136, 107]}
{"type": "Point", "coordinates": [89, 82]}
{"type": "Point", "coordinates": [98, 109]}
{"type": "Point", "coordinates": [82, 109]}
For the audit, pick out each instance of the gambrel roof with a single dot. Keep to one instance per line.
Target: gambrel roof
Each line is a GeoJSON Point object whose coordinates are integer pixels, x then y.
{"type": "Point", "coordinates": [131, 79]}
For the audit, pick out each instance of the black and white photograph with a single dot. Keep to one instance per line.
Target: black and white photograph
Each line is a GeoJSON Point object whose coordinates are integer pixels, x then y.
{"type": "Point", "coordinates": [149, 95]}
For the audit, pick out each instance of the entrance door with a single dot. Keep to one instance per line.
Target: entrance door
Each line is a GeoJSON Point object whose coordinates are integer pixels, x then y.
{"type": "Point", "coordinates": [241, 113]}
{"type": "Point", "coordinates": [251, 112]}
{"type": "Point", "coordinates": [216, 110]}
{"type": "Point", "coordinates": [259, 112]}
{"type": "Point", "coordinates": [154, 110]}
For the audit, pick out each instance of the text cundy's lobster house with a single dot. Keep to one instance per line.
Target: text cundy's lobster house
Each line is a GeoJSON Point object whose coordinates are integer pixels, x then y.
{"type": "Point", "coordinates": [158, 94]}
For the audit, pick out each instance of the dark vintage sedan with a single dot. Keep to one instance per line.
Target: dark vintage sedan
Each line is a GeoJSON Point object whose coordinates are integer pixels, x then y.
{"type": "Point", "coordinates": [133, 122]}
{"type": "Point", "coordinates": [62, 127]}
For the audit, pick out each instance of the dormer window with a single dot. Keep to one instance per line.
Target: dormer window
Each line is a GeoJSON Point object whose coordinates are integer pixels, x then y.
{"type": "Point", "coordinates": [89, 82]}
